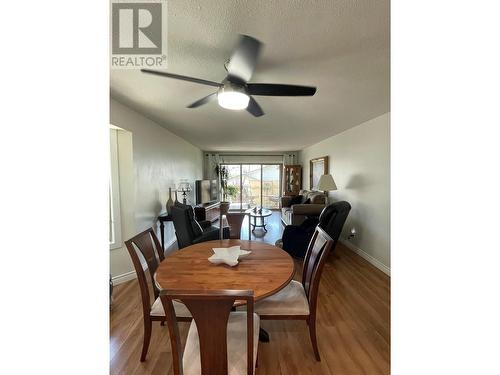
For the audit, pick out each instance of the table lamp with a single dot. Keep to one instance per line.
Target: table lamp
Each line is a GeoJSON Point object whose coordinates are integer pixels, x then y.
{"type": "Point", "coordinates": [184, 188]}
{"type": "Point", "coordinates": [326, 184]}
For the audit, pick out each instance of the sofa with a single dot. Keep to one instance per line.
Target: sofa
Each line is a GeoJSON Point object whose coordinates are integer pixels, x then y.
{"type": "Point", "coordinates": [294, 210]}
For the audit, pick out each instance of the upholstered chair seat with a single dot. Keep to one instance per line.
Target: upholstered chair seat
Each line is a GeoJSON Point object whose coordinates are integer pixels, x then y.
{"type": "Point", "coordinates": [236, 346]}
{"type": "Point", "coordinates": [181, 310]}
{"type": "Point", "coordinates": [291, 300]}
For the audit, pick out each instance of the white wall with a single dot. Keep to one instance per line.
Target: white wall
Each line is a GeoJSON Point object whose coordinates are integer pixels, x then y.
{"type": "Point", "coordinates": [359, 161]}
{"type": "Point", "coordinates": [151, 159]}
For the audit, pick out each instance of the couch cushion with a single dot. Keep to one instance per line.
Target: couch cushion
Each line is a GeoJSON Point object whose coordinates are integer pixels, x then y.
{"type": "Point", "coordinates": [236, 345]}
{"type": "Point", "coordinates": [316, 197]}
{"type": "Point", "coordinates": [296, 199]}
{"type": "Point", "coordinates": [291, 300]}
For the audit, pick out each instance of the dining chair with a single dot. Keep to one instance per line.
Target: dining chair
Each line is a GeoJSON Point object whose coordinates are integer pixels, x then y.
{"type": "Point", "coordinates": [297, 301]}
{"type": "Point", "coordinates": [146, 242]}
{"type": "Point", "coordinates": [216, 342]}
{"type": "Point", "coordinates": [235, 222]}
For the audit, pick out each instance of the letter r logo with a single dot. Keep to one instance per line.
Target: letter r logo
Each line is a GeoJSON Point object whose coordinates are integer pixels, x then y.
{"type": "Point", "coordinates": [137, 28]}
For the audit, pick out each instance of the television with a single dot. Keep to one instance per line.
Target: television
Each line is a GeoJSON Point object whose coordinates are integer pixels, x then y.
{"type": "Point", "coordinates": [206, 191]}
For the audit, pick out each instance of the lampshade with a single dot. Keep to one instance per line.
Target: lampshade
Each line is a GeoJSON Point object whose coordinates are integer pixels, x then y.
{"type": "Point", "coordinates": [184, 185]}
{"type": "Point", "coordinates": [326, 183]}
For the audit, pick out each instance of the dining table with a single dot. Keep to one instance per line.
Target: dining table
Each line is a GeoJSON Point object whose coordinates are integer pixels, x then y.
{"type": "Point", "coordinates": [265, 271]}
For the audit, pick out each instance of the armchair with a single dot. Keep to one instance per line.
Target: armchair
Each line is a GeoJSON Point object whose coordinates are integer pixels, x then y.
{"type": "Point", "coordinates": [296, 238]}
{"type": "Point", "coordinates": [189, 231]}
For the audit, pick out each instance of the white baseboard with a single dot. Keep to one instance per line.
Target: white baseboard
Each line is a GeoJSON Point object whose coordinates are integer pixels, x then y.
{"type": "Point", "coordinates": [127, 276]}
{"type": "Point", "coordinates": [124, 277]}
{"type": "Point", "coordinates": [375, 262]}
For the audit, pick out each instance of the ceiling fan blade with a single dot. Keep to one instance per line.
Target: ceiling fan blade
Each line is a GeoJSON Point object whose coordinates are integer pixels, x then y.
{"type": "Point", "coordinates": [204, 100]}
{"type": "Point", "coordinates": [254, 108]}
{"type": "Point", "coordinates": [244, 58]}
{"type": "Point", "coordinates": [271, 89]}
{"type": "Point", "coordinates": [184, 78]}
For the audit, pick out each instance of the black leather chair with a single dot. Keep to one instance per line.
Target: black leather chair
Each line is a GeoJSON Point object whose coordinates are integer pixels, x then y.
{"type": "Point", "coordinates": [189, 231]}
{"type": "Point", "coordinates": [331, 220]}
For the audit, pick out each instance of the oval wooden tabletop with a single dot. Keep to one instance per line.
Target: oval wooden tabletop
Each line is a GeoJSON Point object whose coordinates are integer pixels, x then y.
{"type": "Point", "coordinates": [265, 271]}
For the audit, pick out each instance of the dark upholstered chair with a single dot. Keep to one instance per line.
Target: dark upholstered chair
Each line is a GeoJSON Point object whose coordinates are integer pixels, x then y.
{"type": "Point", "coordinates": [189, 231]}
{"type": "Point", "coordinates": [297, 237]}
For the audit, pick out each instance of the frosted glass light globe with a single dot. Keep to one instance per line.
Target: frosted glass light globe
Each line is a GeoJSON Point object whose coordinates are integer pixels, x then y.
{"type": "Point", "coordinates": [233, 100]}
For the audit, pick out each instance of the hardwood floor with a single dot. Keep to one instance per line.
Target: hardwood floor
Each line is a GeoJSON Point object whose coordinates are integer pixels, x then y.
{"type": "Point", "coordinates": [353, 327]}
{"type": "Point", "coordinates": [273, 226]}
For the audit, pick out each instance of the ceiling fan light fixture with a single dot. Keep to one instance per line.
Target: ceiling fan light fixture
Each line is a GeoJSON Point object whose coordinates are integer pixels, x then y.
{"type": "Point", "coordinates": [234, 100]}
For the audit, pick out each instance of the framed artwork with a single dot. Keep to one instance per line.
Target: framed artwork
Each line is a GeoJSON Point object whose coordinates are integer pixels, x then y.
{"type": "Point", "coordinates": [317, 167]}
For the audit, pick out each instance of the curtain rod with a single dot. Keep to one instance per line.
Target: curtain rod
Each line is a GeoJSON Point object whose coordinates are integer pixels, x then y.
{"type": "Point", "coordinates": [249, 154]}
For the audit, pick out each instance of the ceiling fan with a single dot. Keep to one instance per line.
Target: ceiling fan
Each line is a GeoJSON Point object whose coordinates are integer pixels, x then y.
{"type": "Point", "coordinates": [235, 92]}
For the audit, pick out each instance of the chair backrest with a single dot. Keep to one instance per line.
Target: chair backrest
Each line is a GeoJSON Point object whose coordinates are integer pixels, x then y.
{"type": "Point", "coordinates": [210, 311]}
{"type": "Point", "coordinates": [146, 242]}
{"type": "Point", "coordinates": [186, 227]}
{"type": "Point", "coordinates": [324, 240]}
{"type": "Point", "coordinates": [333, 217]}
{"type": "Point", "coordinates": [235, 221]}
{"type": "Point", "coordinates": [316, 255]}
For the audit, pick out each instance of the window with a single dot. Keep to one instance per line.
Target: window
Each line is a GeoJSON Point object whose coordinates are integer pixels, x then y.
{"type": "Point", "coordinates": [115, 236]}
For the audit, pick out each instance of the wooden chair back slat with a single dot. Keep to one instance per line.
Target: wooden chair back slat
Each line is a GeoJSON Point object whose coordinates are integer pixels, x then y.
{"type": "Point", "coordinates": [210, 311]}
{"type": "Point", "coordinates": [317, 252]}
{"type": "Point", "coordinates": [235, 222]}
{"type": "Point", "coordinates": [148, 245]}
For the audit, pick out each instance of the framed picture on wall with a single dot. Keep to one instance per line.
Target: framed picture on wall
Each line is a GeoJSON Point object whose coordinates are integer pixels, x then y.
{"type": "Point", "coordinates": [317, 167]}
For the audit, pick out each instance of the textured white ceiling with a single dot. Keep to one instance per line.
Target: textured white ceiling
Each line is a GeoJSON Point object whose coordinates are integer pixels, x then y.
{"type": "Point", "coordinates": [339, 46]}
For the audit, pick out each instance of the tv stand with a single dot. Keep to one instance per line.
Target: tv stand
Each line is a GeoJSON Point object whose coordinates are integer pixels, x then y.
{"type": "Point", "coordinates": [207, 211]}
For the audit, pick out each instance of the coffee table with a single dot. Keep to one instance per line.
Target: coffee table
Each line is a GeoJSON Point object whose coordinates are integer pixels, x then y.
{"type": "Point", "coordinates": [258, 215]}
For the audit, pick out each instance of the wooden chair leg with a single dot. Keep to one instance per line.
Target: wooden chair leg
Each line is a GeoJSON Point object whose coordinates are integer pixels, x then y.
{"type": "Point", "coordinates": [162, 323]}
{"type": "Point", "coordinates": [311, 322]}
{"type": "Point", "coordinates": [147, 338]}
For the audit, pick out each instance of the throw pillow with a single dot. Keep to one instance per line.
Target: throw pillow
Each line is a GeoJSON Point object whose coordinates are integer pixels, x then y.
{"type": "Point", "coordinates": [296, 200]}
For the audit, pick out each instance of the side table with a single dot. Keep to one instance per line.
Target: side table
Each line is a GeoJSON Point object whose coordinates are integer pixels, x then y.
{"type": "Point", "coordinates": [162, 219]}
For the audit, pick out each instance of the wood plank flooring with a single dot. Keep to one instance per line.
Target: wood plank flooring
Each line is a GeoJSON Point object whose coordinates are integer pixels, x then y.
{"type": "Point", "coordinates": [273, 226]}
{"type": "Point", "coordinates": [353, 328]}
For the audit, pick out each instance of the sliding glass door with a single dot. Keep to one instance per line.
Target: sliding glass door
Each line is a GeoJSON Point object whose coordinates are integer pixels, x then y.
{"type": "Point", "coordinates": [254, 185]}
{"type": "Point", "coordinates": [271, 182]}
{"type": "Point", "coordinates": [250, 185]}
